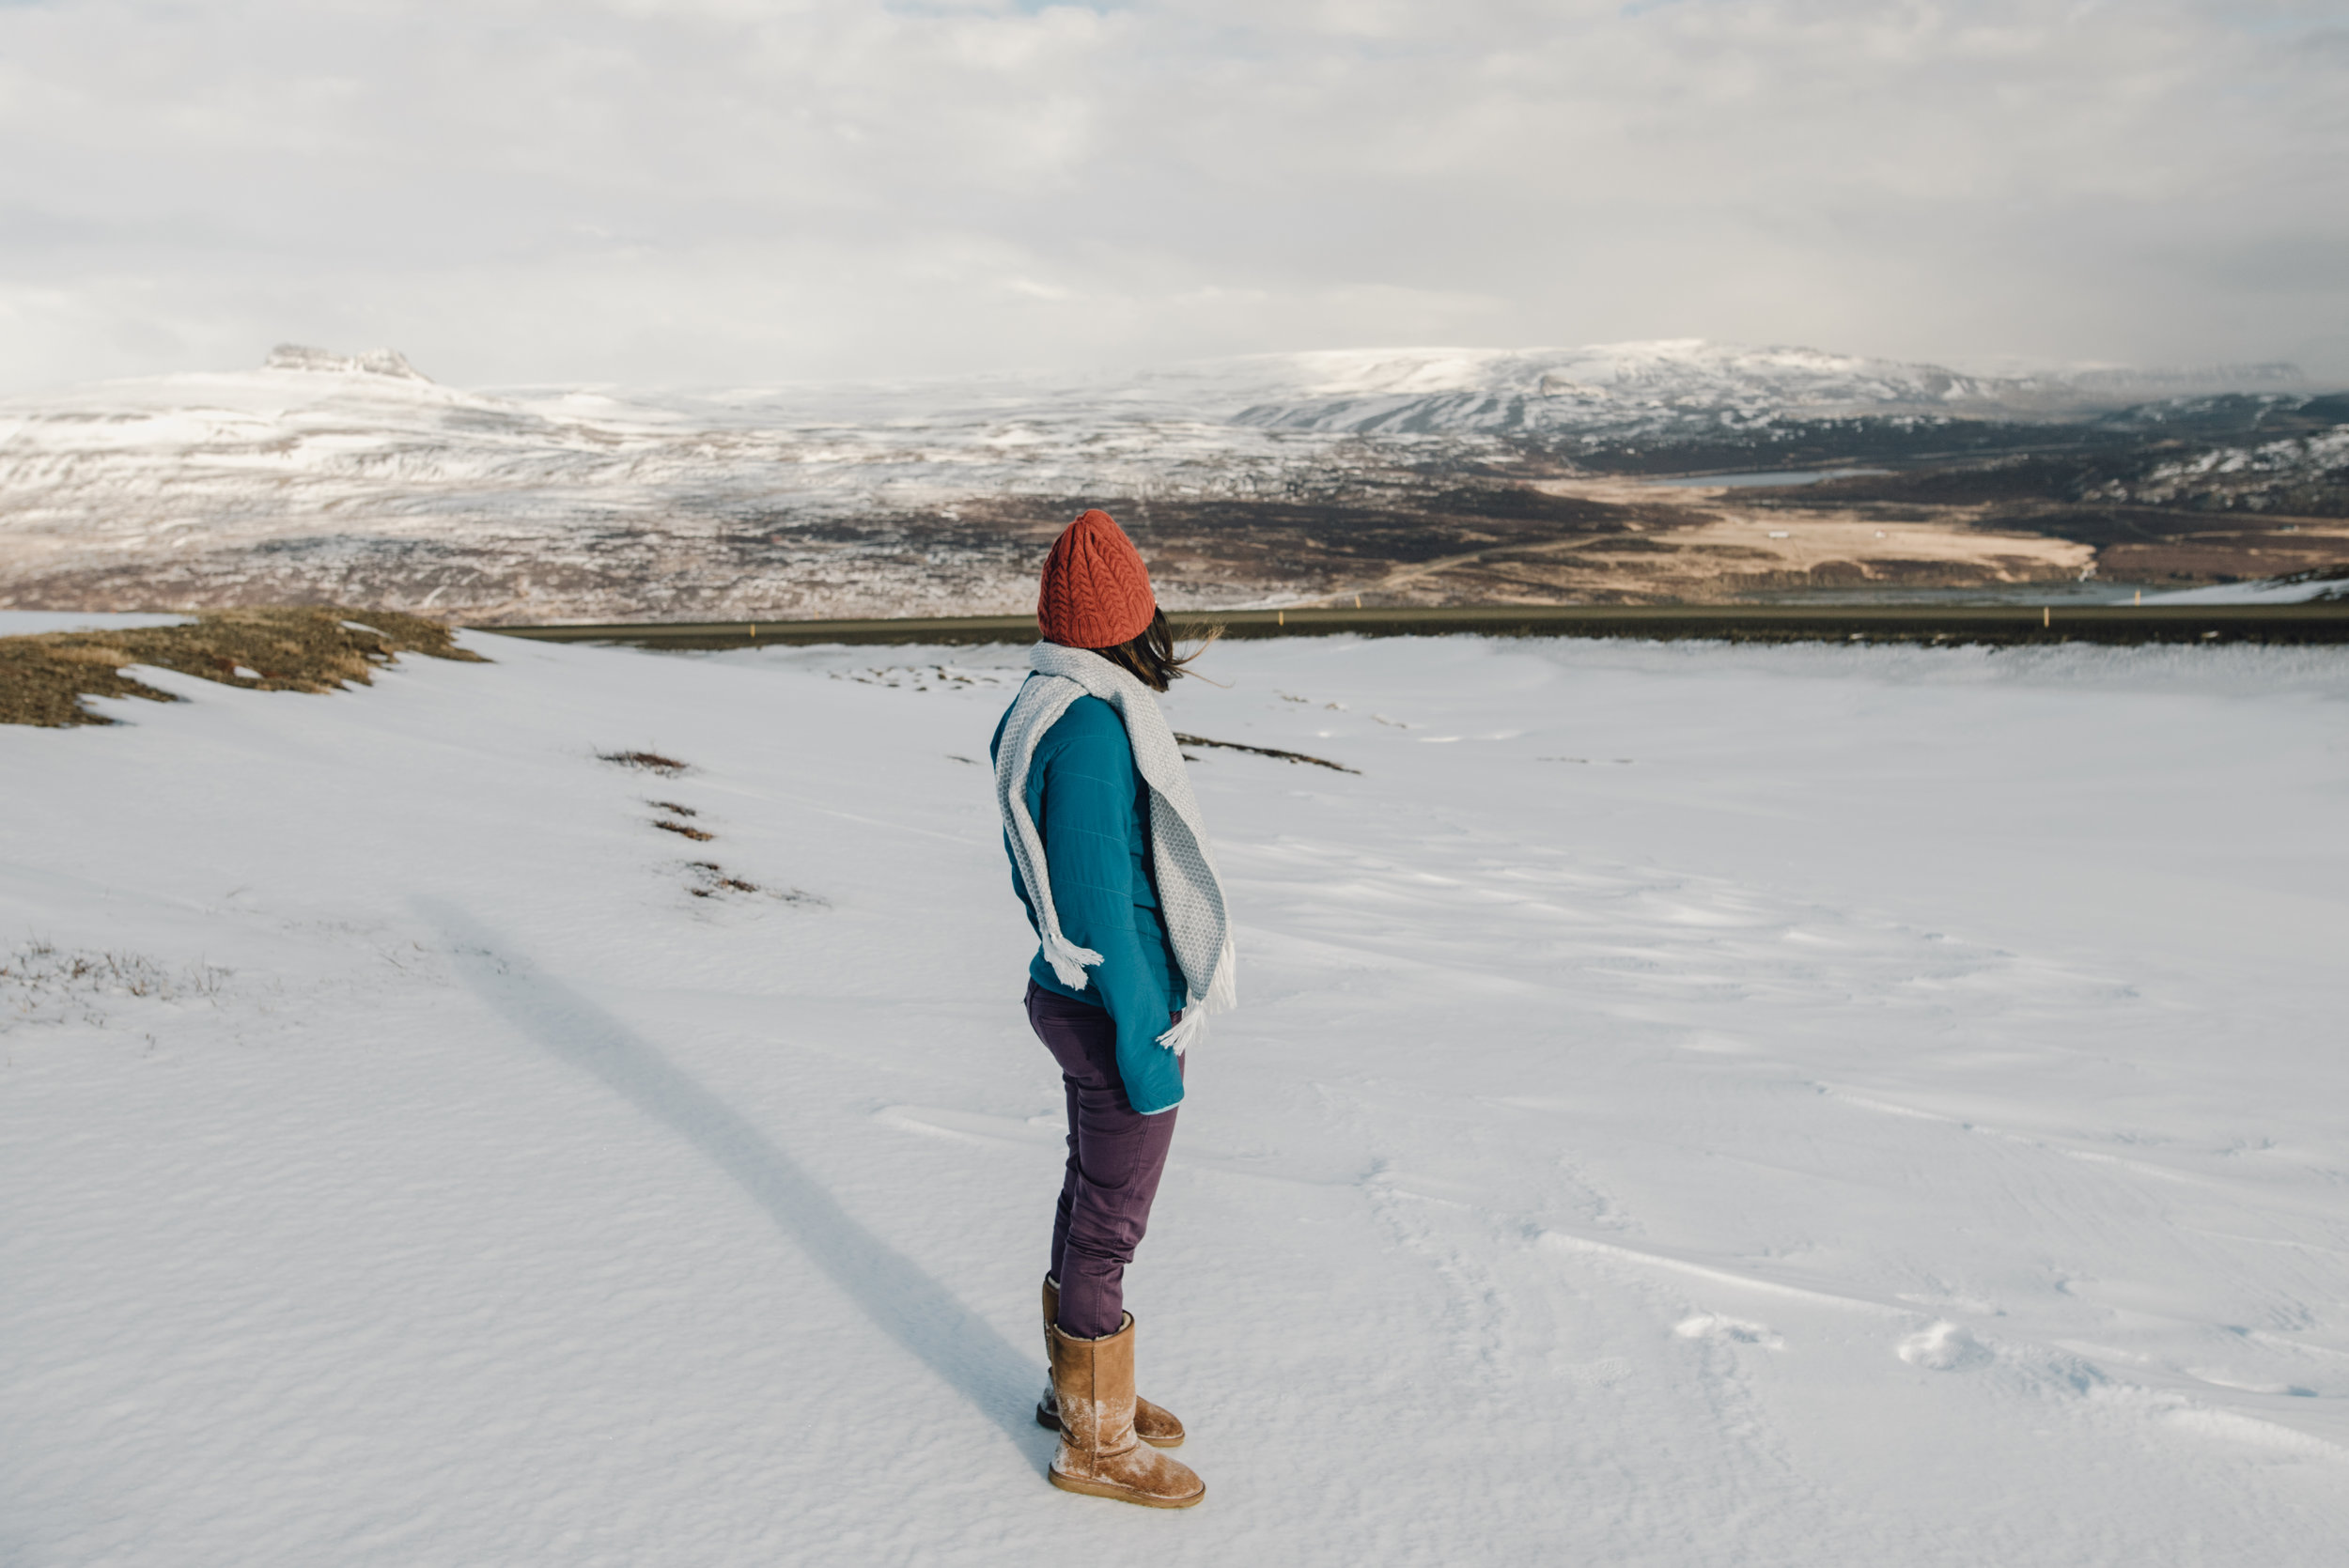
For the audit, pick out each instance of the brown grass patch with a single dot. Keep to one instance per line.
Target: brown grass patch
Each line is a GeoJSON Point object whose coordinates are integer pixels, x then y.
{"type": "Point", "coordinates": [696, 834]}
{"type": "Point", "coordinates": [715, 879]}
{"type": "Point", "coordinates": [651, 762]}
{"type": "Point", "coordinates": [711, 880]}
{"type": "Point", "coordinates": [44, 677]}
{"type": "Point", "coordinates": [1181, 739]}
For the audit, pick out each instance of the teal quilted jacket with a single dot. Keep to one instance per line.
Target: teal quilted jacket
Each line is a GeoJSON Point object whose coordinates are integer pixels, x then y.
{"type": "Point", "coordinates": [1093, 811]}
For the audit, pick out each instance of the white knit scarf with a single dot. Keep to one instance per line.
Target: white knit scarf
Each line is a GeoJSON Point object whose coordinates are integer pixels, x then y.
{"type": "Point", "coordinates": [1190, 897]}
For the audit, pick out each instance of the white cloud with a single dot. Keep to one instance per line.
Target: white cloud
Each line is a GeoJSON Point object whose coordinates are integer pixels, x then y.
{"type": "Point", "coordinates": [651, 190]}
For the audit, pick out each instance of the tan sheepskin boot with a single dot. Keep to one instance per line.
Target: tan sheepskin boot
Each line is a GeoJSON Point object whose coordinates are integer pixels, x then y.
{"type": "Point", "coordinates": [1099, 1452]}
{"type": "Point", "coordinates": [1154, 1426]}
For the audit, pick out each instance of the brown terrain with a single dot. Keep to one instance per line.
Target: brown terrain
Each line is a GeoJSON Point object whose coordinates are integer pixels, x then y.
{"type": "Point", "coordinates": [1589, 540]}
{"type": "Point", "coordinates": [1536, 538]}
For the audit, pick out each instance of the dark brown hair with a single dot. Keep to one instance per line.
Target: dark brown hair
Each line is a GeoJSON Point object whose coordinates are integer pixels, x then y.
{"type": "Point", "coordinates": [1149, 657]}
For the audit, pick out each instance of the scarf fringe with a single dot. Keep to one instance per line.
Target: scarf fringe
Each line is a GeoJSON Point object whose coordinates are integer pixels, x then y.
{"type": "Point", "coordinates": [1189, 1031]}
{"type": "Point", "coordinates": [1222, 996]}
{"type": "Point", "coordinates": [1069, 961]}
{"type": "Point", "coordinates": [1223, 993]}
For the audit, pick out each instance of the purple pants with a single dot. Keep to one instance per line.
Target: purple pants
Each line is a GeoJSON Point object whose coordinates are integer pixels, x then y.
{"type": "Point", "coordinates": [1115, 1157]}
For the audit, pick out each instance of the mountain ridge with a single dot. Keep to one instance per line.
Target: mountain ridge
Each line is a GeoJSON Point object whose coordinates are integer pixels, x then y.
{"type": "Point", "coordinates": [357, 476]}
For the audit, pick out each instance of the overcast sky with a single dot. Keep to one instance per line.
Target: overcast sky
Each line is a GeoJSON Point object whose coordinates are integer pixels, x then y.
{"type": "Point", "coordinates": [693, 191]}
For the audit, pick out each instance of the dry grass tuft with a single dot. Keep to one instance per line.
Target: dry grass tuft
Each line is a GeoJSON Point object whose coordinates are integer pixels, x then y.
{"type": "Point", "coordinates": [1263, 752]}
{"type": "Point", "coordinates": [696, 834]}
{"type": "Point", "coordinates": [714, 879]}
{"type": "Point", "coordinates": [711, 880]}
{"type": "Point", "coordinates": [651, 762]}
{"type": "Point", "coordinates": [41, 982]}
{"type": "Point", "coordinates": [43, 678]}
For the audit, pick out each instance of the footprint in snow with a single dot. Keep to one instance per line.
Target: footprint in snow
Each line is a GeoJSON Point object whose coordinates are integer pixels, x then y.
{"type": "Point", "coordinates": [1713, 1326]}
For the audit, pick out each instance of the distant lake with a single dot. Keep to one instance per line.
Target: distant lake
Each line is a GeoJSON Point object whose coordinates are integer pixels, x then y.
{"type": "Point", "coordinates": [1782, 476]}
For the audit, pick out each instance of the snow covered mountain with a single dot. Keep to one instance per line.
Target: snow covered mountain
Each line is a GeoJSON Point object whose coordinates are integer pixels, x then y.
{"type": "Point", "coordinates": [1652, 388]}
{"type": "Point", "coordinates": [357, 477]}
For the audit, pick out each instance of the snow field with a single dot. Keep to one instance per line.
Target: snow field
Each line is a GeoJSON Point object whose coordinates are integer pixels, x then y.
{"type": "Point", "coordinates": [1690, 1105]}
{"type": "Point", "coordinates": [30, 622]}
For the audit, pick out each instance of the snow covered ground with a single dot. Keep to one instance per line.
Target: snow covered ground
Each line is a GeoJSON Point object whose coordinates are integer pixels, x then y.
{"type": "Point", "coordinates": [1693, 1106]}
{"type": "Point", "coordinates": [2300, 588]}
{"type": "Point", "coordinates": [28, 623]}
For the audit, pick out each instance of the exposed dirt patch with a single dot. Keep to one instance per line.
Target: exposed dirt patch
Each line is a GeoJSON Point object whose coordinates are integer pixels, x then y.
{"type": "Point", "coordinates": [43, 678]}
{"type": "Point", "coordinates": [1182, 739]}
{"type": "Point", "coordinates": [1716, 544]}
{"type": "Point", "coordinates": [712, 881]}
{"type": "Point", "coordinates": [1211, 552]}
{"type": "Point", "coordinates": [651, 762]}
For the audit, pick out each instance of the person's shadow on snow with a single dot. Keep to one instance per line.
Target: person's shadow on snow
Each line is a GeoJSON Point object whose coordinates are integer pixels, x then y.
{"type": "Point", "coordinates": [903, 1301]}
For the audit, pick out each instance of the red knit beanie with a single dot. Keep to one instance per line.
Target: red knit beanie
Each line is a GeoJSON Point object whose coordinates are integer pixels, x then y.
{"type": "Point", "coordinates": [1096, 592]}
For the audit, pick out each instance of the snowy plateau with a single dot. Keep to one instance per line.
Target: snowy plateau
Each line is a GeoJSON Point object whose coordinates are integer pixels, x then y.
{"type": "Point", "coordinates": [1272, 480]}
{"type": "Point", "coordinates": [1690, 1107]}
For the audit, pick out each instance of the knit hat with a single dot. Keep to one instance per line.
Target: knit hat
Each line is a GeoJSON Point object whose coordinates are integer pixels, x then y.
{"type": "Point", "coordinates": [1096, 592]}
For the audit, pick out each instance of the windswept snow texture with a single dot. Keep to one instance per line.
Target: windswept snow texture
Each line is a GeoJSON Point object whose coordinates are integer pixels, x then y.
{"type": "Point", "coordinates": [1690, 1106]}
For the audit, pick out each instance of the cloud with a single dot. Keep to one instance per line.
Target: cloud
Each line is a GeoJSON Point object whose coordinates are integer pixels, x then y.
{"type": "Point", "coordinates": [734, 190]}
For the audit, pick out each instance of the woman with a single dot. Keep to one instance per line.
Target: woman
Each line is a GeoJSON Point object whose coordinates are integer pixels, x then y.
{"type": "Point", "coordinates": [1134, 950]}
